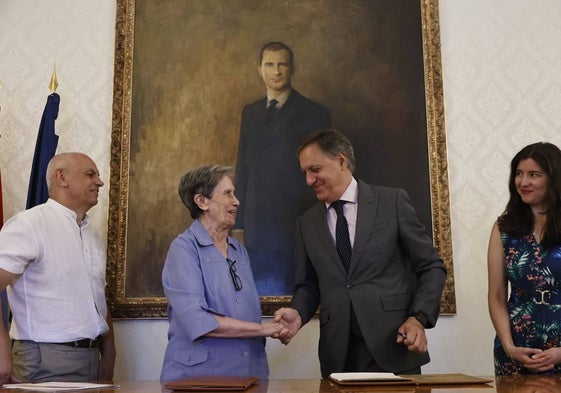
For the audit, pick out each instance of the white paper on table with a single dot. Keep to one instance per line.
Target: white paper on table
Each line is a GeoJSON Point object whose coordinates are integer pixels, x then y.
{"type": "Point", "coordinates": [58, 386]}
{"type": "Point", "coordinates": [375, 377]}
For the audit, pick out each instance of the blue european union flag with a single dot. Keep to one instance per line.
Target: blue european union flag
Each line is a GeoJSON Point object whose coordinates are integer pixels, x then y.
{"type": "Point", "coordinates": [45, 149]}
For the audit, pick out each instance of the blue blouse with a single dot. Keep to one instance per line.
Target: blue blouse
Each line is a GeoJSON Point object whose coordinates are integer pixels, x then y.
{"type": "Point", "coordinates": [197, 284]}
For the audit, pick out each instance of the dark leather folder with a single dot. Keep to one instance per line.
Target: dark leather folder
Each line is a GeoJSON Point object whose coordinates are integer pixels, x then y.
{"type": "Point", "coordinates": [212, 383]}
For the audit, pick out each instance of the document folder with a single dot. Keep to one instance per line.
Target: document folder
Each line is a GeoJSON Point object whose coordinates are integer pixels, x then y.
{"type": "Point", "coordinates": [392, 379]}
{"type": "Point", "coordinates": [212, 383]}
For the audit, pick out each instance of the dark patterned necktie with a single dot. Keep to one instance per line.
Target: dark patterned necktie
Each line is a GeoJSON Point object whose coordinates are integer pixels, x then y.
{"type": "Point", "coordinates": [343, 245]}
{"type": "Point", "coordinates": [272, 109]}
{"type": "Point", "coordinates": [342, 238]}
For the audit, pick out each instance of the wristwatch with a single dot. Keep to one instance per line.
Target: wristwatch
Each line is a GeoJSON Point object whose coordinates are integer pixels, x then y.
{"type": "Point", "coordinates": [419, 316]}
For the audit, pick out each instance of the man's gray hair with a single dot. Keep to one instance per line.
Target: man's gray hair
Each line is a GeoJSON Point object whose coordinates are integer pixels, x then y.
{"type": "Point", "coordinates": [331, 142]}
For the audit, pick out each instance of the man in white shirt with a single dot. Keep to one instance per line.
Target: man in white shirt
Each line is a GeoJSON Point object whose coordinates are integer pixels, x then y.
{"type": "Point", "coordinates": [53, 265]}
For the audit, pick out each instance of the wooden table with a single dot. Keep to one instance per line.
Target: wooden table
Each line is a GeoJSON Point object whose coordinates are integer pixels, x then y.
{"type": "Point", "coordinates": [527, 384]}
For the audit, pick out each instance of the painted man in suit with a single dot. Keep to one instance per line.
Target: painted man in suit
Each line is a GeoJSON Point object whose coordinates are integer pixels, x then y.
{"type": "Point", "coordinates": [268, 180]}
{"type": "Point", "coordinates": [373, 311]}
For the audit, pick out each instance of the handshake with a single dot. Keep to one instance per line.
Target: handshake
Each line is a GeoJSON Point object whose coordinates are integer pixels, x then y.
{"type": "Point", "coordinates": [286, 322]}
{"type": "Point", "coordinates": [283, 326]}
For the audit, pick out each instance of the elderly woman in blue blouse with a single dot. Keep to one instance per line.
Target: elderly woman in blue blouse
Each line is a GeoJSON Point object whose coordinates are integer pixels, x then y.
{"type": "Point", "coordinates": [213, 305]}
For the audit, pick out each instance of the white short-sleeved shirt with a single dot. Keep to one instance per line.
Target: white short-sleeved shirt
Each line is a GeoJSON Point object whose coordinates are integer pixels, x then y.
{"type": "Point", "coordinates": [60, 296]}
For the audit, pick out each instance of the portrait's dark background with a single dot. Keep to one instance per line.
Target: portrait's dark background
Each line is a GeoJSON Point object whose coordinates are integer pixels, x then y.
{"type": "Point", "coordinates": [195, 67]}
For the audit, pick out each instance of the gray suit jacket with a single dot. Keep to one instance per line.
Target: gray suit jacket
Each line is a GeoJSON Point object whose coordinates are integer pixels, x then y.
{"type": "Point", "coordinates": [394, 271]}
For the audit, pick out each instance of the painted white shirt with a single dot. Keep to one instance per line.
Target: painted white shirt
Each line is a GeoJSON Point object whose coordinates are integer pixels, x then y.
{"type": "Point", "coordinates": [60, 295]}
{"type": "Point", "coordinates": [281, 99]}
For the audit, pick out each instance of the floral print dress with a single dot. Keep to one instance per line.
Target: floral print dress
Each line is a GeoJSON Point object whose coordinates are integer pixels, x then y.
{"type": "Point", "coordinates": [534, 305]}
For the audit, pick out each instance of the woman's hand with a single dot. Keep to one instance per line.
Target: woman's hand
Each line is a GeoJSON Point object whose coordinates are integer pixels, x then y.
{"type": "Point", "coordinates": [547, 360]}
{"type": "Point", "coordinates": [271, 328]}
{"type": "Point", "coordinates": [533, 359]}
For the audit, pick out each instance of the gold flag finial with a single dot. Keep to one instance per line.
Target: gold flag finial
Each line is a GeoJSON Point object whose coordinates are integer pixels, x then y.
{"type": "Point", "coordinates": [54, 81]}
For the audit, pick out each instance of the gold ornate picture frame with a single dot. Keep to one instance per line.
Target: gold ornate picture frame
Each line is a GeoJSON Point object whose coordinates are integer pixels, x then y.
{"type": "Point", "coordinates": [131, 299]}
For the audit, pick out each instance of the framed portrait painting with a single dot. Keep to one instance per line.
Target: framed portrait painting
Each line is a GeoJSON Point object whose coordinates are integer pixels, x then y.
{"type": "Point", "coordinates": [186, 69]}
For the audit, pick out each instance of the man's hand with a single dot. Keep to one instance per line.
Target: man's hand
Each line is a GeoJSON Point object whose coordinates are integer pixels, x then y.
{"type": "Point", "coordinates": [292, 322]}
{"type": "Point", "coordinates": [108, 353]}
{"type": "Point", "coordinates": [106, 364]}
{"type": "Point", "coordinates": [412, 334]}
{"type": "Point", "coordinates": [106, 367]}
{"type": "Point", "coordinates": [6, 363]}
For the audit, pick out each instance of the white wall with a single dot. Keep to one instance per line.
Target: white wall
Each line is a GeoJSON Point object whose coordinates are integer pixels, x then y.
{"type": "Point", "coordinates": [502, 91]}
{"type": "Point", "coordinates": [77, 35]}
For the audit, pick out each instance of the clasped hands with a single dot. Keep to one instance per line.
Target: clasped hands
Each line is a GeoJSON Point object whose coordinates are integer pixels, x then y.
{"type": "Point", "coordinates": [285, 324]}
{"type": "Point", "coordinates": [536, 360]}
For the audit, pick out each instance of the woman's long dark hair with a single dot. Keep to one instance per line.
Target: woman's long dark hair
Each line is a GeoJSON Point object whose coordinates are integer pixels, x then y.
{"type": "Point", "coordinates": [517, 219]}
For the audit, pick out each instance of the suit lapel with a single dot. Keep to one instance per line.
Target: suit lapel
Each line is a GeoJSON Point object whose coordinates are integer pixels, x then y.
{"type": "Point", "coordinates": [366, 216]}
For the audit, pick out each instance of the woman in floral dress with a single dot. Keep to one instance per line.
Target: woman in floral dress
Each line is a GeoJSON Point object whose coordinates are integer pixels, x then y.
{"type": "Point", "coordinates": [525, 251]}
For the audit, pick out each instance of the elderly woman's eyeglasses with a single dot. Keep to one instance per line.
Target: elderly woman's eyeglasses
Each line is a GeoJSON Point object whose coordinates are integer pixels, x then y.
{"type": "Point", "coordinates": [236, 280]}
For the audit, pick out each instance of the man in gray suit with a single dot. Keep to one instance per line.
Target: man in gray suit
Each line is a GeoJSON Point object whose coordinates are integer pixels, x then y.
{"type": "Point", "coordinates": [377, 294]}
